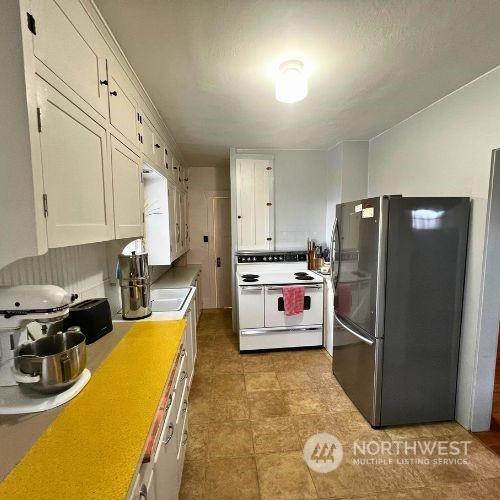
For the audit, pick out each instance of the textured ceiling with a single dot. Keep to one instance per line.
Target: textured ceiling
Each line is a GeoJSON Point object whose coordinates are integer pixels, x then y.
{"type": "Point", "coordinates": [208, 65]}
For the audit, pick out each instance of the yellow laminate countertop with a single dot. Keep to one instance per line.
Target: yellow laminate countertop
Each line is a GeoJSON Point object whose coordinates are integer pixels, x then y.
{"type": "Point", "coordinates": [94, 446]}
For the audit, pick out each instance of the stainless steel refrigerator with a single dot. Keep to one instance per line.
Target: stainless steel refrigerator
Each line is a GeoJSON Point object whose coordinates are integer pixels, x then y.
{"type": "Point", "coordinates": [398, 272]}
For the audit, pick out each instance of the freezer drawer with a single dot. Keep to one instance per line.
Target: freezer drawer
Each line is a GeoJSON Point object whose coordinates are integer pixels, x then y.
{"type": "Point", "coordinates": [281, 338]}
{"type": "Point", "coordinates": [355, 363]}
{"type": "Point", "coordinates": [275, 310]}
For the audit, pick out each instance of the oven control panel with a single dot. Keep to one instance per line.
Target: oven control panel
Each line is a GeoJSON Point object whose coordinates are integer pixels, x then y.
{"type": "Point", "coordinates": [251, 258]}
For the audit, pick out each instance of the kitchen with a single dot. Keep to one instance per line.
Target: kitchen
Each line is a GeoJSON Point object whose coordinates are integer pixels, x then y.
{"type": "Point", "coordinates": [175, 124]}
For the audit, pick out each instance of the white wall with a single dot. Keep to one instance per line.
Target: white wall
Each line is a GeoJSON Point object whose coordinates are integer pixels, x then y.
{"type": "Point", "coordinates": [202, 182]}
{"type": "Point", "coordinates": [445, 150]}
{"type": "Point", "coordinates": [79, 269]}
{"type": "Point", "coordinates": [347, 176]}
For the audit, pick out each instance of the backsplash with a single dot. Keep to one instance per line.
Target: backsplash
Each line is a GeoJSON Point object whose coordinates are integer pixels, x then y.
{"type": "Point", "coordinates": [79, 269]}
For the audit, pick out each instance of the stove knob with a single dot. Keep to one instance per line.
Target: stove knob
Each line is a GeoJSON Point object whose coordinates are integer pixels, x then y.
{"type": "Point", "coordinates": [281, 257]}
{"type": "Point", "coordinates": [264, 258]}
{"type": "Point", "coordinates": [254, 259]}
{"type": "Point", "coordinates": [275, 258]}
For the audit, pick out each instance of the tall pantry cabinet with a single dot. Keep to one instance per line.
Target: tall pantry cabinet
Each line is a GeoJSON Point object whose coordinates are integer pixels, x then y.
{"type": "Point", "coordinates": [76, 128]}
{"type": "Point", "coordinates": [255, 203]}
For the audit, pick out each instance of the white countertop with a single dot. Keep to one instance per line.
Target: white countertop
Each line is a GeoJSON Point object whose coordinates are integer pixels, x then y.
{"type": "Point", "coordinates": [178, 277]}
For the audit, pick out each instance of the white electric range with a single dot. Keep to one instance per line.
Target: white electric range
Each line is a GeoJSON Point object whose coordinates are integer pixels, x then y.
{"type": "Point", "coordinates": [262, 323]}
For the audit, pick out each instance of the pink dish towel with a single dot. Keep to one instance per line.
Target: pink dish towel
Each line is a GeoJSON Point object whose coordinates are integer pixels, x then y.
{"type": "Point", "coordinates": [293, 297]}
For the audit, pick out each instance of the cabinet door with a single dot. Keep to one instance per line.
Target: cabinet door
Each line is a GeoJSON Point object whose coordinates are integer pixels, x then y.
{"type": "Point", "coordinates": [148, 140]}
{"type": "Point", "coordinates": [71, 49]}
{"type": "Point", "coordinates": [127, 191]}
{"type": "Point", "coordinates": [76, 173]}
{"type": "Point", "coordinates": [167, 162]}
{"type": "Point", "coordinates": [172, 220]}
{"type": "Point", "coordinates": [122, 105]}
{"type": "Point", "coordinates": [165, 478]}
{"type": "Point", "coordinates": [158, 150]}
{"type": "Point", "coordinates": [179, 222]}
{"type": "Point", "coordinates": [254, 204]}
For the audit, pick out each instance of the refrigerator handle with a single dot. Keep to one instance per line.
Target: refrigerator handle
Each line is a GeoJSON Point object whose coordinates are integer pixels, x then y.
{"type": "Point", "coordinates": [356, 334]}
{"type": "Point", "coordinates": [335, 230]}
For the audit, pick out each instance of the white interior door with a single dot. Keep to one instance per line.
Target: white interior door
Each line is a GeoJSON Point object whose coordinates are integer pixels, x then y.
{"type": "Point", "coordinates": [221, 250]}
{"type": "Point", "coordinates": [127, 191]}
{"type": "Point", "coordinates": [76, 173]}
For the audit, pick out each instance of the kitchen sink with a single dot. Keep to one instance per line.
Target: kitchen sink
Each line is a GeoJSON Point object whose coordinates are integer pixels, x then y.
{"type": "Point", "coordinates": [168, 299]}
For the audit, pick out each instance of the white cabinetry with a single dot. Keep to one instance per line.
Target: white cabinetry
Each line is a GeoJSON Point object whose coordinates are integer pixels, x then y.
{"type": "Point", "coordinates": [76, 172]}
{"type": "Point", "coordinates": [127, 191]}
{"type": "Point", "coordinates": [67, 43]}
{"type": "Point", "coordinates": [164, 219]}
{"type": "Point", "coordinates": [122, 105]}
{"type": "Point", "coordinates": [254, 204]}
{"type": "Point", "coordinates": [68, 97]}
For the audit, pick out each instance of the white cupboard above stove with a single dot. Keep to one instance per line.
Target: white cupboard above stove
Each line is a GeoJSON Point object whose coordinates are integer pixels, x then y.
{"type": "Point", "coordinates": [255, 203]}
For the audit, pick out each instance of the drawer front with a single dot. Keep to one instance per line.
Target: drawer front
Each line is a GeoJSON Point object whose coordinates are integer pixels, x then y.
{"type": "Point", "coordinates": [251, 306]}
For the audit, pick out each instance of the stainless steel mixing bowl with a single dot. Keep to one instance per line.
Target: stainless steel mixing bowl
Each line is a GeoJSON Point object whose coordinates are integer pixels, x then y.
{"type": "Point", "coordinates": [52, 363]}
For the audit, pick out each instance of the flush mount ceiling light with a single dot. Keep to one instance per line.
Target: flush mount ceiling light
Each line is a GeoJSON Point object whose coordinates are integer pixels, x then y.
{"type": "Point", "coordinates": [291, 82]}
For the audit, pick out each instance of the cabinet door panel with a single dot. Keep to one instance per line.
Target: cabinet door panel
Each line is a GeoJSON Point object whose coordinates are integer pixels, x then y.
{"type": "Point", "coordinates": [254, 187]}
{"type": "Point", "coordinates": [76, 173]}
{"type": "Point", "coordinates": [148, 139]}
{"type": "Point", "coordinates": [71, 49]}
{"type": "Point", "coordinates": [127, 191]}
{"type": "Point", "coordinates": [172, 217]}
{"type": "Point", "coordinates": [122, 106]}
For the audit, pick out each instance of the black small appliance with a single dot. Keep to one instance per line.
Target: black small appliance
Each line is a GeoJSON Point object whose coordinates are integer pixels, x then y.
{"type": "Point", "coordinates": [93, 316]}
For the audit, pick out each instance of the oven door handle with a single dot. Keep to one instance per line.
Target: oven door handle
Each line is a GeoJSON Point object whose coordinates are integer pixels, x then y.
{"type": "Point", "coordinates": [356, 334]}
{"type": "Point", "coordinates": [305, 286]}
{"type": "Point", "coordinates": [252, 288]}
{"type": "Point", "coordinates": [278, 329]}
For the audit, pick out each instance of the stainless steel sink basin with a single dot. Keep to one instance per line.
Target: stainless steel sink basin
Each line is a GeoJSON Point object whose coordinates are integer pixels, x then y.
{"type": "Point", "coordinates": [168, 299]}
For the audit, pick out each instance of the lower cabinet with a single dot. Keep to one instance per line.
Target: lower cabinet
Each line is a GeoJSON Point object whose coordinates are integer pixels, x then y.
{"type": "Point", "coordinates": [161, 477]}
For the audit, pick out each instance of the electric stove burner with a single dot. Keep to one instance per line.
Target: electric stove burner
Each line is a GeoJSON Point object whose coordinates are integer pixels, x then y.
{"type": "Point", "coordinates": [250, 280]}
{"type": "Point", "coordinates": [304, 277]}
{"type": "Point", "coordinates": [301, 273]}
{"type": "Point", "coordinates": [250, 276]}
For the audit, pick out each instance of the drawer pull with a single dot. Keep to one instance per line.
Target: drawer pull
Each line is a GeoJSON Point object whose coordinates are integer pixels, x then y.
{"type": "Point", "coordinates": [170, 434]}
{"type": "Point", "coordinates": [184, 375]}
{"type": "Point", "coordinates": [184, 406]}
{"type": "Point", "coordinates": [169, 404]}
{"type": "Point", "coordinates": [183, 353]}
{"type": "Point", "coordinates": [185, 440]}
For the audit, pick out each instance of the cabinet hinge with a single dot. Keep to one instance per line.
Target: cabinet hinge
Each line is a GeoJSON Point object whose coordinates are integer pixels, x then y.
{"type": "Point", "coordinates": [45, 206]}
{"type": "Point", "coordinates": [269, 239]}
{"type": "Point", "coordinates": [31, 23]}
{"type": "Point", "coordinates": [39, 119]}
{"type": "Point", "coordinates": [269, 204]}
{"type": "Point", "coordinates": [269, 168]}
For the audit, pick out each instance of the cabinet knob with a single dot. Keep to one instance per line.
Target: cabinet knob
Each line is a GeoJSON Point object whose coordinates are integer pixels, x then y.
{"type": "Point", "coordinates": [114, 92]}
{"type": "Point", "coordinates": [103, 82]}
{"type": "Point", "coordinates": [239, 216]}
{"type": "Point", "coordinates": [157, 146]}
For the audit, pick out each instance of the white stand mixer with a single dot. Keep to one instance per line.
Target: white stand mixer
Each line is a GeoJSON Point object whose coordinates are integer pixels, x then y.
{"type": "Point", "coordinates": [19, 306]}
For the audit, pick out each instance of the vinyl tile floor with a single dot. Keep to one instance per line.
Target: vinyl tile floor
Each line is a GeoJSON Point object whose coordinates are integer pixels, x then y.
{"type": "Point", "coordinates": [251, 414]}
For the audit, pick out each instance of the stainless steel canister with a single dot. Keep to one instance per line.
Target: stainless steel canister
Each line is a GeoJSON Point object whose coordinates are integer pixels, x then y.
{"type": "Point", "coordinates": [133, 274]}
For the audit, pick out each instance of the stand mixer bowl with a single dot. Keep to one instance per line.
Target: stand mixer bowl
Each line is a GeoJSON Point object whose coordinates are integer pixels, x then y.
{"type": "Point", "coordinates": [52, 363]}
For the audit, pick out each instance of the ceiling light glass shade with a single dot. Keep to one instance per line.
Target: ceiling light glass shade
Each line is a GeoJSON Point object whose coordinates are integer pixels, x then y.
{"type": "Point", "coordinates": [291, 83]}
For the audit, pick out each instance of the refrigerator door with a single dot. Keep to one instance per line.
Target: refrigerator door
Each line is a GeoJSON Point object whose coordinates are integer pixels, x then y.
{"type": "Point", "coordinates": [356, 363]}
{"type": "Point", "coordinates": [359, 263]}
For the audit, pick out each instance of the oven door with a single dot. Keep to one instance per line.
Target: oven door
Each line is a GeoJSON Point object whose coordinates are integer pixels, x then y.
{"type": "Point", "coordinates": [275, 307]}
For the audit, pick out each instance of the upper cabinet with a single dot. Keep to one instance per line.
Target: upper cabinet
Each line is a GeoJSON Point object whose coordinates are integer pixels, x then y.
{"type": "Point", "coordinates": [122, 105]}
{"type": "Point", "coordinates": [127, 191]}
{"type": "Point", "coordinates": [255, 204]}
{"type": "Point", "coordinates": [76, 129]}
{"type": "Point", "coordinates": [68, 44]}
{"type": "Point", "coordinates": [76, 172]}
